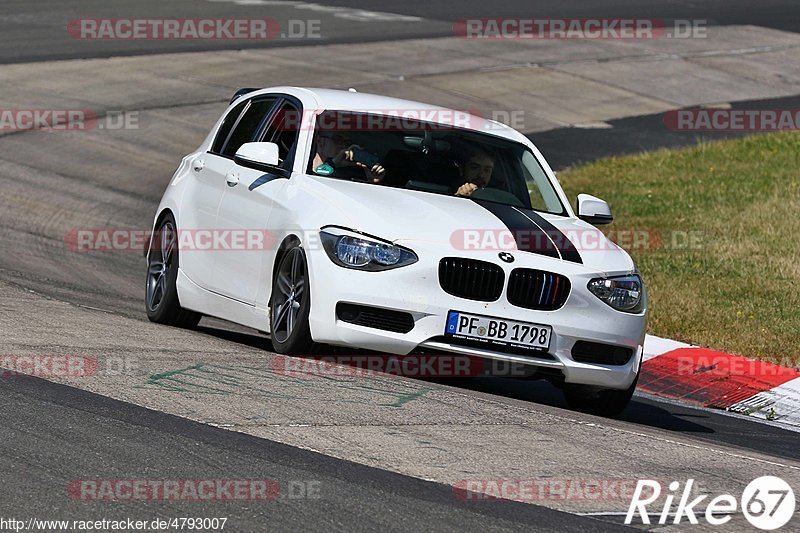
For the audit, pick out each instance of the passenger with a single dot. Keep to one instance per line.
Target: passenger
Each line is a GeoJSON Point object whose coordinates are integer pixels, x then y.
{"type": "Point", "coordinates": [335, 157]}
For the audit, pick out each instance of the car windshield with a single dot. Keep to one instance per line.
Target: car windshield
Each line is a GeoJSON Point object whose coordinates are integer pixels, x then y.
{"type": "Point", "coordinates": [398, 152]}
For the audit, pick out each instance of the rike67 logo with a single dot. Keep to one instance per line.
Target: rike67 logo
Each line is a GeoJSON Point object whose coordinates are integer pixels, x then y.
{"type": "Point", "coordinates": [767, 502]}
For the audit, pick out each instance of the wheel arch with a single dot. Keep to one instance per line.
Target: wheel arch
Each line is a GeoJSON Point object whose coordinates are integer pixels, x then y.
{"type": "Point", "coordinates": [158, 220]}
{"type": "Point", "coordinates": [290, 240]}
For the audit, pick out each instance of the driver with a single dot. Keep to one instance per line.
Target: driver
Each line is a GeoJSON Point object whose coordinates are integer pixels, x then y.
{"type": "Point", "coordinates": [335, 157]}
{"type": "Point", "coordinates": [476, 172]}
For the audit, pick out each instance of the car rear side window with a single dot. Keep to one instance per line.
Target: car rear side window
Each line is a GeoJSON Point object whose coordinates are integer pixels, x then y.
{"type": "Point", "coordinates": [247, 125]}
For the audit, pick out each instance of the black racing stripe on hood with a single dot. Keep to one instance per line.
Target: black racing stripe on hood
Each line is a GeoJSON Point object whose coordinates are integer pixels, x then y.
{"type": "Point", "coordinates": [528, 236]}
{"type": "Point", "coordinates": [562, 242]}
{"type": "Point", "coordinates": [532, 232]}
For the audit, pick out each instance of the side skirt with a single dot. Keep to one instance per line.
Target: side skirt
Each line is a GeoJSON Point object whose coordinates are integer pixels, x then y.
{"type": "Point", "coordinates": [196, 298]}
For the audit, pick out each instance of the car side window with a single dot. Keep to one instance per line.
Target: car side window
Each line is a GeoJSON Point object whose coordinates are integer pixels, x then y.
{"type": "Point", "coordinates": [284, 130]}
{"type": "Point", "coordinates": [247, 125]}
{"type": "Point", "coordinates": [226, 127]}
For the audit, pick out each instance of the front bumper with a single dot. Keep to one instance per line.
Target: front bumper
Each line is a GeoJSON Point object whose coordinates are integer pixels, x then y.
{"type": "Point", "coordinates": [415, 289]}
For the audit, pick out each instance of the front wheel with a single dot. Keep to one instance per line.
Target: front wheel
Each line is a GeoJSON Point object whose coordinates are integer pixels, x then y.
{"type": "Point", "coordinates": [598, 401]}
{"type": "Point", "coordinates": [290, 305]}
{"type": "Point", "coordinates": [161, 296]}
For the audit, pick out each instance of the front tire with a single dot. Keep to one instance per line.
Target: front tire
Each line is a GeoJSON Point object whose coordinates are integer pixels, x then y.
{"type": "Point", "coordinates": [290, 305]}
{"type": "Point", "coordinates": [161, 295]}
{"type": "Point", "coordinates": [599, 401]}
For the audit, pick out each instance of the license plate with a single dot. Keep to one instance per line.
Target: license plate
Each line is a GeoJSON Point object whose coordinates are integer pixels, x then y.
{"type": "Point", "coordinates": [498, 331]}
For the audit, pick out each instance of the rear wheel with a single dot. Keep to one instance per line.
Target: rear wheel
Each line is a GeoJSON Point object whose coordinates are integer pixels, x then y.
{"type": "Point", "coordinates": [161, 296]}
{"type": "Point", "coordinates": [290, 305]}
{"type": "Point", "coordinates": [599, 401]}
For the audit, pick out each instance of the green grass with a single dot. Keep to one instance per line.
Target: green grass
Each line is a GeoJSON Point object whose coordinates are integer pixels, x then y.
{"type": "Point", "coordinates": [739, 291]}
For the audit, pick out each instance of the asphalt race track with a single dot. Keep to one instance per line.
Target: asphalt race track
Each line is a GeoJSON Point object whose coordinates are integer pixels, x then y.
{"type": "Point", "coordinates": [73, 432]}
{"type": "Point", "coordinates": [383, 452]}
{"type": "Point", "coordinates": [37, 34]}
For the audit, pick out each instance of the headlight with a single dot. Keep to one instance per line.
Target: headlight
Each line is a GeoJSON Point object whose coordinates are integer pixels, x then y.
{"type": "Point", "coordinates": [363, 253]}
{"type": "Point", "coordinates": [625, 293]}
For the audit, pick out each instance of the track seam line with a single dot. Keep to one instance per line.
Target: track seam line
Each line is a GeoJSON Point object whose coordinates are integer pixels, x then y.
{"type": "Point", "coordinates": [638, 434]}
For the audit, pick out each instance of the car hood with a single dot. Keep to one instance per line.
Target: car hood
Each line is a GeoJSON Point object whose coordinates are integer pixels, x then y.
{"type": "Point", "coordinates": [454, 224]}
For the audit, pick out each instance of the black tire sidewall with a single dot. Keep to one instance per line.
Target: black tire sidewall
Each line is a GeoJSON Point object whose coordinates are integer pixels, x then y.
{"type": "Point", "coordinates": [598, 401]}
{"type": "Point", "coordinates": [299, 340]}
{"type": "Point", "coordinates": [169, 310]}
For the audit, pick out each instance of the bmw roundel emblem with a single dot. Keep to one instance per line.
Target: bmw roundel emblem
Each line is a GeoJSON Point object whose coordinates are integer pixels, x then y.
{"type": "Point", "coordinates": [505, 256]}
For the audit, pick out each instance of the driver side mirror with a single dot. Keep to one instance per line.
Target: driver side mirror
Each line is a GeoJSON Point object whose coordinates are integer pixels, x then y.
{"type": "Point", "coordinates": [258, 156]}
{"type": "Point", "coordinates": [594, 210]}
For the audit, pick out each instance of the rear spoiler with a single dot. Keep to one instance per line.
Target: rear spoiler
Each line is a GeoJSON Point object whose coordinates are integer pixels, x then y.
{"type": "Point", "coordinates": [242, 92]}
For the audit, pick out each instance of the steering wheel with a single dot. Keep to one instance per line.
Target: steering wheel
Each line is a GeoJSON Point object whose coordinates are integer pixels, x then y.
{"type": "Point", "coordinates": [496, 195]}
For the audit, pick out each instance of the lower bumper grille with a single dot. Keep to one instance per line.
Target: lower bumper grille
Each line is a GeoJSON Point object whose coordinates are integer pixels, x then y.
{"type": "Point", "coordinates": [375, 317]}
{"type": "Point", "coordinates": [601, 354]}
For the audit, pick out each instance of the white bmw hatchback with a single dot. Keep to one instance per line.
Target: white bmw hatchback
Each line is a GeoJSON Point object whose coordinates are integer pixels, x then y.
{"type": "Point", "coordinates": [340, 218]}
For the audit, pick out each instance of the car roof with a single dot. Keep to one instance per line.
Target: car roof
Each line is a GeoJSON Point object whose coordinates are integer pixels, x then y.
{"type": "Point", "coordinates": [338, 100]}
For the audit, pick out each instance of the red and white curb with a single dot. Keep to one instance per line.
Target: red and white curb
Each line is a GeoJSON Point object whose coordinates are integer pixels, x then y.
{"type": "Point", "coordinates": [719, 380]}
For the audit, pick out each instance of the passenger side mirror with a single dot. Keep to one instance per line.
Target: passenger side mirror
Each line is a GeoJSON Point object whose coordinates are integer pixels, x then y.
{"type": "Point", "coordinates": [259, 156]}
{"type": "Point", "coordinates": [594, 210]}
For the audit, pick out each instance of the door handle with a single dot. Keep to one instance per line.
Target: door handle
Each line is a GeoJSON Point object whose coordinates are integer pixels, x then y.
{"type": "Point", "coordinates": [232, 179]}
{"type": "Point", "coordinates": [198, 164]}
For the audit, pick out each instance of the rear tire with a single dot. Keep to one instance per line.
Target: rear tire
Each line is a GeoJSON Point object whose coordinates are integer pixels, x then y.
{"type": "Point", "coordinates": [161, 293]}
{"type": "Point", "coordinates": [599, 401]}
{"type": "Point", "coordinates": [290, 305]}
